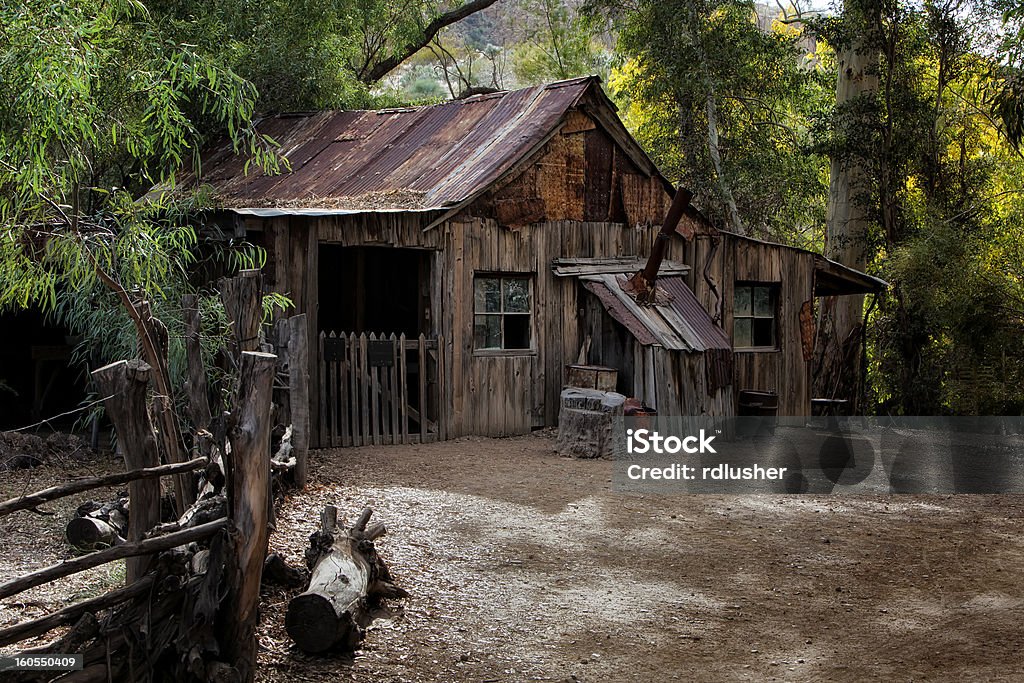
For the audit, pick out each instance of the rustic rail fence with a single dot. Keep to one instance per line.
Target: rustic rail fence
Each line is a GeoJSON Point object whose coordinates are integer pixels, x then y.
{"type": "Point", "coordinates": [67, 615]}
{"type": "Point", "coordinates": [163, 579]}
{"type": "Point", "coordinates": [191, 594]}
{"type": "Point", "coordinates": [381, 390]}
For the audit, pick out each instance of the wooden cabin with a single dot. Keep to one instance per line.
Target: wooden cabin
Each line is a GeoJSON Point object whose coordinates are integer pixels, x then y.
{"type": "Point", "coordinates": [451, 259]}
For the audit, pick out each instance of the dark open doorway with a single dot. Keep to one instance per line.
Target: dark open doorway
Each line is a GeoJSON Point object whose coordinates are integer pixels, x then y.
{"type": "Point", "coordinates": [374, 289]}
{"type": "Point", "coordinates": [37, 377]}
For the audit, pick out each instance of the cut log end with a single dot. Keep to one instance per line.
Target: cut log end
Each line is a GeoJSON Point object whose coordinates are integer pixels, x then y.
{"type": "Point", "coordinates": [88, 533]}
{"type": "Point", "coordinates": [313, 624]}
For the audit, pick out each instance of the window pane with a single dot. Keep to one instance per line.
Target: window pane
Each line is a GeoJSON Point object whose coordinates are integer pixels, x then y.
{"type": "Point", "coordinates": [763, 302]}
{"type": "Point", "coordinates": [742, 303]}
{"type": "Point", "coordinates": [487, 295]}
{"type": "Point", "coordinates": [741, 332]}
{"type": "Point", "coordinates": [764, 332]}
{"type": "Point", "coordinates": [487, 331]}
{"type": "Point", "coordinates": [517, 331]}
{"type": "Point", "coordinates": [517, 295]}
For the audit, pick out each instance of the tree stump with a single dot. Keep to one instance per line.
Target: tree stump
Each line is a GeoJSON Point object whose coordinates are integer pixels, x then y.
{"type": "Point", "coordinates": [347, 579]}
{"type": "Point", "coordinates": [585, 422]}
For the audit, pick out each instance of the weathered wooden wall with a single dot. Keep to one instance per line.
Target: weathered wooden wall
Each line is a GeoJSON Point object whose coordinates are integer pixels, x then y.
{"type": "Point", "coordinates": [580, 196]}
{"type": "Point", "coordinates": [581, 174]}
{"type": "Point", "coordinates": [738, 259]}
{"type": "Point", "coordinates": [489, 393]}
{"type": "Point", "coordinates": [292, 270]}
{"type": "Point", "coordinates": [520, 389]}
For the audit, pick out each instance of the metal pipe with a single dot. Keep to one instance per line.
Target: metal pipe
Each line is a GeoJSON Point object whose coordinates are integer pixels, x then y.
{"type": "Point", "coordinates": [642, 284]}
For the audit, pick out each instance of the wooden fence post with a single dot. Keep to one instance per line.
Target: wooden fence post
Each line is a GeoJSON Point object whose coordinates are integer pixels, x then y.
{"type": "Point", "coordinates": [198, 393]}
{"type": "Point", "coordinates": [125, 382]}
{"type": "Point", "coordinates": [242, 296]}
{"type": "Point", "coordinates": [248, 492]}
{"type": "Point", "coordinates": [298, 382]}
{"type": "Point", "coordinates": [163, 402]}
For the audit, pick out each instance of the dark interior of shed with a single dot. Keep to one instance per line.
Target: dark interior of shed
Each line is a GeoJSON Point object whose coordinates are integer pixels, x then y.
{"type": "Point", "coordinates": [37, 379]}
{"type": "Point", "coordinates": [374, 289]}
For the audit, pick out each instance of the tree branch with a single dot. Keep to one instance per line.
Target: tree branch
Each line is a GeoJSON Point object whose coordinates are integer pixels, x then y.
{"type": "Point", "coordinates": [381, 68]}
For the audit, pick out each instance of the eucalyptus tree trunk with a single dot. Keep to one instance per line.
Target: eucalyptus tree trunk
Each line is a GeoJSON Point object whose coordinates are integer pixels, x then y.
{"type": "Point", "coordinates": [714, 151]}
{"type": "Point", "coordinates": [841, 319]}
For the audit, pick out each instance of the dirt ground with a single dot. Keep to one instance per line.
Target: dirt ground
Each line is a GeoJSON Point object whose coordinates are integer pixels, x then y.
{"type": "Point", "coordinates": [526, 566]}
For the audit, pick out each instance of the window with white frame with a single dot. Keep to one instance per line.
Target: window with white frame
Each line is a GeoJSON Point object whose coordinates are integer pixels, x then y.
{"type": "Point", "coordinates": [502, 305]}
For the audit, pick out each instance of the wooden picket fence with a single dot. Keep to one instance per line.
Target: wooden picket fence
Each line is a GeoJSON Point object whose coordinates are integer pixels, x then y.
{"type": "Point", "coordinates": [381, 390]}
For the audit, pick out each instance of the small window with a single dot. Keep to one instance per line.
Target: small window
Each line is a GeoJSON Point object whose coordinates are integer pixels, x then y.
{"type": "Point", "coordinates": [754, 315]}
{"type": "Point", "coordinates": [501, 312]}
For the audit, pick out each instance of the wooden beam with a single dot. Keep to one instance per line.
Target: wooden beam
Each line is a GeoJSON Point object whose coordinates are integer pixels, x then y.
{"type": "Point", "coordinates": [78, 485]}
{"type": "Point", "coordinates": [298, 380]}
{"type": "Point", "coordinates": [79, 564]}
{"type": "Point", "coordinates": [72, 613]}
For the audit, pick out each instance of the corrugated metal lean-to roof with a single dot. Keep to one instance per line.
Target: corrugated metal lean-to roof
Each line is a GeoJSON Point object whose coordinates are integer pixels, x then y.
{"type": "Point", "coordinates": [680, 323]}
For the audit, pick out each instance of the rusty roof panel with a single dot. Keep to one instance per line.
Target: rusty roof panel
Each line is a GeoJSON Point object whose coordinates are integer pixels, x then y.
{"type": "Point", "coordinates": [618, 310]}
{"type": "Point", "coordinates": [440, 155]}
{"type": "Point", "coordinates": [705, 332]}
{"type": "Point", "coordinates": [680, 324]}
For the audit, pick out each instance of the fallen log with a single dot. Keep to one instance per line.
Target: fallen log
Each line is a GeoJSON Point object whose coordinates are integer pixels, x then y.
{"type": "Point", "coordinates": [347, 579]}
{"type": "Point", "coordinates": [92, 533]}
{"type": "Point", "coordinates": [277, 572]}
{"type": "Point", "coordinates": [96, 526]}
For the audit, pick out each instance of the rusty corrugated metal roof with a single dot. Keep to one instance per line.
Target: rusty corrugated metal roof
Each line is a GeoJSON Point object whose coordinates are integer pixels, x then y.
{"type": "Point", "coordinates": [415, 158]}
{"type": "Point", "coordinates": [680, 323]}
{"type": "Point", "coordinates": [704, 332]}
{"type": "Point", "coordinates": [618, 310]}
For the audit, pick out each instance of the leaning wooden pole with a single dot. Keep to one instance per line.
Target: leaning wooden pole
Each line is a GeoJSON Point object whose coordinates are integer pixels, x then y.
{"type": "Point", "coordinates": [198, 392]}
{"type": "Point", "coordinates": [298, 382]}
{"type": "Point", "coordinates": [125, 382]}
{"type": "Point", "coordinates": [170, 439]}
{"type": "Point", "coordinates": [248, 495]}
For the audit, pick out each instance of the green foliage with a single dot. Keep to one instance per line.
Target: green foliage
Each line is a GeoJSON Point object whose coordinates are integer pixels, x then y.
{"type": "Point", "coordinates": [99, 104]}
{"type": "Point", "coordinates": [943, 193]}
{"type": "Point", "coordinates": [1006, 92]}
{"type": "Point", "coordinates": [675, 58]}
{"type": "Point", "coordinates": [561, 44]}
{"type": "Point", "coordinates": [297, 55]}
{"type": "Point", "coordinates": [942, 186]}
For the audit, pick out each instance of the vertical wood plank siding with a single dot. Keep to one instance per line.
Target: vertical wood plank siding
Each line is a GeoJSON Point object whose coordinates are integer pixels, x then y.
{"type": "Point", "coordinates": [735, 260]}
{"type": "Point", "coordinates": [487, 394]}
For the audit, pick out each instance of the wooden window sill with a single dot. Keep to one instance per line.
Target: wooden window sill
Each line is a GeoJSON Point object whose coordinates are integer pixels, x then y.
{"type": "Point", "coordinates": [503, 353]}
